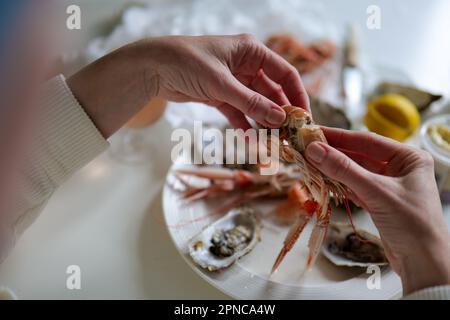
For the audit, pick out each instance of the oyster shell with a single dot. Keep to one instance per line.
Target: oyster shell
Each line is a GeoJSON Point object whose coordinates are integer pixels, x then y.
{"type": "Point", "coordinates": [225, 241]}
{"type": "Point", "coordinates": [422, 99]}
{"type": "Point", "coordinates": [328, 115]}
{"type": "Point", "coordinates": [343, 247]}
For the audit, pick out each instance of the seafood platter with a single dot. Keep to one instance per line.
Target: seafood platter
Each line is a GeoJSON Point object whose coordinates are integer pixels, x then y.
{"type": "Point", "coordinates": [262, 236]}
{"type": "Point", "coordinates": [294, 234]}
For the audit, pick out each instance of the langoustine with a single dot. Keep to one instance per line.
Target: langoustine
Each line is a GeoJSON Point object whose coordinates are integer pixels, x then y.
{"type": "Point", "coordinates": [313, 195]}
{"type": "Point", "coordinates": [240, 186]}
{"type": "Point", "coordinates": [305, 58]}
{"type": "Point", "coordinates": [308, 191]}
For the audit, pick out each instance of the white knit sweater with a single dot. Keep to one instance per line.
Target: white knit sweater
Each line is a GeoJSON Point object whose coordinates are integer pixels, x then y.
{"type": "Point", "coordinates": [69, 140]}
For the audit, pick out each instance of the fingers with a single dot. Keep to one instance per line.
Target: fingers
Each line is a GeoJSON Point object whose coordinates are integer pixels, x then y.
{"type": "Point", "coordinates": [236, 118]}
{"type": "Point", "coordinates": [365, 143]}
{"type": "Point", "coordinates": [271, 90]}
{"type": "Point", "coordinates": [339, 167]}
{"type": "Point", "coordinates": [251, 103]}
{"type": "Point", "coordinates": [261, 84]}
{"type": "Point", "coordinates": [281, 72]}
{"type": "Point", "coordinates": [252, 55]}
{"type": "Point", "coordinates": [279, 84]}
{"type": "Point", "coordinates": [373, 165]}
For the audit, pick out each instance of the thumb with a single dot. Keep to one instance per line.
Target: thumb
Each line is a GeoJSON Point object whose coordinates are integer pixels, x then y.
{"type": "Point", "coordinates": [339, 167]}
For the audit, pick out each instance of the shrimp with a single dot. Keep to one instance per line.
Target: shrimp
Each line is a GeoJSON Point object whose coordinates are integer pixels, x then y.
{"type": "Point", "coordinates": [296, 133]}
{"type": "Point", "coordinates": [301, 205]}
{"type": "Point", "coordinates": [239, 186]}
{"type": "Point", "coordinates": [305, 58]}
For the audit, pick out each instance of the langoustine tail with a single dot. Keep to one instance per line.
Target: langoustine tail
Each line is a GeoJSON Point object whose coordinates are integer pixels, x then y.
{"type": "Point", "coordinates": [291, 238]}
{"type": "Point", "coordinates": [316, 241]}
{"type": "Point", "coordinates": [318, 235]}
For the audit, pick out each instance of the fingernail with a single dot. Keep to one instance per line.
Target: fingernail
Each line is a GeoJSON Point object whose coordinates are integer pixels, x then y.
{"type": "Point", "coordinates": [276, 116]}
{"type": "Point", "coordinates": [316, 152]}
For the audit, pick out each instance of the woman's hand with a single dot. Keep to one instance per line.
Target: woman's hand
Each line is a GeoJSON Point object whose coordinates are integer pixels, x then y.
{"type": "Point", "coordinates": [396, 184]}
{"type": "Point", "coordinates": [236, 74]}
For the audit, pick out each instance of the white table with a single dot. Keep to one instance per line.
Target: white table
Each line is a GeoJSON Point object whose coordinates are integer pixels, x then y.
{"type": "Point", "coordinates": [108, 218]}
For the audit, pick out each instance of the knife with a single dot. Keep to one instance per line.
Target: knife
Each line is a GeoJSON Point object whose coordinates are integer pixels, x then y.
{"type": "Point", "coordinates": [352, 79]}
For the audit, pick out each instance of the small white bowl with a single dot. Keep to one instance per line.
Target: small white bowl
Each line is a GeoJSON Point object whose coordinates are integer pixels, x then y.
{"type": "Point", "coordinates": [441, 156]}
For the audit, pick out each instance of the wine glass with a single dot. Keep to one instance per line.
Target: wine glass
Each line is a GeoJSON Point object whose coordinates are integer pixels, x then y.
{"type": "Point", "coordinates": [133, 143]}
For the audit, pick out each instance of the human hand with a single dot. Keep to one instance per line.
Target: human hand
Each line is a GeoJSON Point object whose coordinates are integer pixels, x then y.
{"type": "Point", "coordinates": [236, 74]}
{"type": "Point", "coordinates": [395, 183]}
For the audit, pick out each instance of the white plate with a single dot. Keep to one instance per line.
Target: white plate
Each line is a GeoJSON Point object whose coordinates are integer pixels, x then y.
{"type": "Point", "coordinates": [249, 277]}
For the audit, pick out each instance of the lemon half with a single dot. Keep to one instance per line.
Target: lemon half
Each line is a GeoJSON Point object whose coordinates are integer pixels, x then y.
{"type": "Point", "coordinates": [392, 116]}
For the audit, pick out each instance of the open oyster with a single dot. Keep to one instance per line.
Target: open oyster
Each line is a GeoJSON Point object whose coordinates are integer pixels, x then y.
{"type": "Point", "coordinates": [225, 241]}
{"type": "Point", "coordinates": [422, 99]}
{"type": "Point", "coordinates": [328, 115]}
{"type": "Point", "coordinates": [344, 248]}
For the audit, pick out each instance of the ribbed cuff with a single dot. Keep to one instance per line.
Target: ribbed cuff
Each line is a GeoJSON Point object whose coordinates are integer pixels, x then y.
{"type": "Point", "coordinates": [71, 138]}
{"type": "Point", "coordinates": [434, 293]}
{"type": "Point", "coordinates": [65, 140]}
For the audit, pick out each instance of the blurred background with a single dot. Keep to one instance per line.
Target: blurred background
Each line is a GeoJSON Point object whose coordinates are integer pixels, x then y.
{"type": "Point", "coordinates": [413, 35]}
{"type": "Point", "coordinates": [108, 218]}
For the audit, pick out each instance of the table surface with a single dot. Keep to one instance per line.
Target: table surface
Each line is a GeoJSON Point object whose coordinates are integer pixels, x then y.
{"type": "Point", "coordinates": [108, 218]}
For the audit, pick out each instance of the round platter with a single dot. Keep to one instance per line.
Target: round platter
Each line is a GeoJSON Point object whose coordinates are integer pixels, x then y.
{"type": "Point", "coordinates": [249, 278]}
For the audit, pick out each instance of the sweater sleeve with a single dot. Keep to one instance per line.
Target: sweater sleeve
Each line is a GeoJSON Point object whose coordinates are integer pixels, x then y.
{"type": "Point", "coordinates": [434, 293]}
{"type": "Point", "coordinates": [65, 140]}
